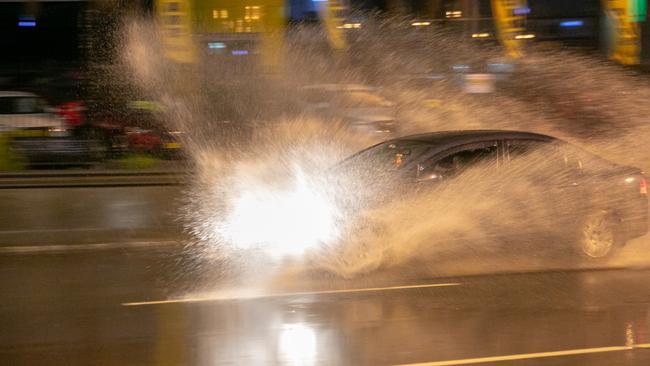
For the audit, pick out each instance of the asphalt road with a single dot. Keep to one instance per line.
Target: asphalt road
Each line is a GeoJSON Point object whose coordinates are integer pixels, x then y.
{"type": "Point", "coordinates": [118, 302]}
{"type": "Point", "coordinates": [76, 215]}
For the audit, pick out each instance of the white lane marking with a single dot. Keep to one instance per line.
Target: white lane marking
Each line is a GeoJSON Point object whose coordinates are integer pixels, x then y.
{"type": "Point", "coordinates": [289, 294]}
{"type": "Point", "coordinates": [527, 356]}
{"type": "Point", "coordinates": [29, 249]}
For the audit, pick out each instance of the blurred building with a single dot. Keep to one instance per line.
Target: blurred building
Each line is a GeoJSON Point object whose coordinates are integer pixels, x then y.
{"type": "Point", "coordinates": [37, 33]}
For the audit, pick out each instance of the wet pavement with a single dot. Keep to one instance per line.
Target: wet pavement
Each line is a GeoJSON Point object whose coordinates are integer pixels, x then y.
{"type": "Point", "coordinates": [142, 304]}
{"type": "Point", "coordinates": [78, 309]}
{"type": "Point", "coordinates": [73, 215]}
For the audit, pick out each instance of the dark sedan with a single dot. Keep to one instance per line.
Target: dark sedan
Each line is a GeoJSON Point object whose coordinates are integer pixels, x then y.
{"type": "Point", "coordinates": [537, 185]}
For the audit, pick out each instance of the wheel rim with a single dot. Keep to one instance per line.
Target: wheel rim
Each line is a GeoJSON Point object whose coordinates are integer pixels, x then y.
{"type": "Point", "coordinates": [597, 236]}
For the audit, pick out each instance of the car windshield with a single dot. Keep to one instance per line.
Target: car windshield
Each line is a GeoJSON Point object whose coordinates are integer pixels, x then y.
{"type": "Point", "coordinates": [20, 105]}
{"type": "Point", "coordinates": [387, 156]}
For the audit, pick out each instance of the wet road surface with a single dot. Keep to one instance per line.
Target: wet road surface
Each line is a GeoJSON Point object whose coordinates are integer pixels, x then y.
{"type": "Point", "coordinates": [135, 304]}
{"type": "Point", "coordinates": [103, 308]}
{"type": "Point", "coordinates": [69, 216]}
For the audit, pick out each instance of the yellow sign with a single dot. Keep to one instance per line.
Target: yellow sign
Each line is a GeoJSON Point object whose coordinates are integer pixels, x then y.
{"type": "Point", "coordinates": [624, 34]}
{"type": "Point", "coordinates": [175, 21]}
{"type": "Point", "coordinates": [509, 18]}
{"type": "Point", "coordinates": [334, 12]}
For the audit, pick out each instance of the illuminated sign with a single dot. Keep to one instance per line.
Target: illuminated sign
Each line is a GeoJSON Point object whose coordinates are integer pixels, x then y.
{"type": "Point", "coordinates": [27, 21]}
{"type": "Point", "coordinates": [637, 10]}
{"type": "Point", "coordinates": [572, 23]}
{"type": "Point", "coordinates": [521, 11]}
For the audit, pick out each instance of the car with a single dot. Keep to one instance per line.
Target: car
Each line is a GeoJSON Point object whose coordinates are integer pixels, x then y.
{"type": "Point", "coordinates": [359, 107]}
{"type": "Point", "coordinates": [22, 111]}
{"type": "Point", "coordinates": [509, 183]}
{"type": "Point", "coordinates": [158, 142]}
{"type": "Point", "coordinates": [41, 136]}
{"type": "Point", "coordinates": [146, 132]}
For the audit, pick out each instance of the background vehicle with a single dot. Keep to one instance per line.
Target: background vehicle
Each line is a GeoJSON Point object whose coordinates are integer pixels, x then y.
{"type": "Point", "coordinates": [154, 141]}
{"type": "Point", "coordinates": [134, 128]}
{"type": "Point", "coordinates": [39, 135]}
{"type": "Point", "coordinates": [358, 106]}
{"type": "Point", "coordinates": [540, 185]}
{"type": "Point", "coordinates": [22, 111]}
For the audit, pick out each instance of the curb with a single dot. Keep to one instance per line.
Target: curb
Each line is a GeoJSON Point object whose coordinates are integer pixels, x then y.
{"type": "Point", "coordinates": [71, 179]}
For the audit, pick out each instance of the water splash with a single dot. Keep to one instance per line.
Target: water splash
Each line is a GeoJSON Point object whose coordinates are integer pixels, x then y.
{"type": "Point", "coordinates": [245, 132]}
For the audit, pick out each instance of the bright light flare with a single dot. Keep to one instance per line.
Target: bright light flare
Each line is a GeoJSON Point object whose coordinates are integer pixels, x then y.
{"type": "Point", "coordinates": [298, 344]}
{"type": "Point", "coordinates": [282, 222]}
{"type": "Point", "coordinates": [349, 26]}
{"type": "Point", "coordinates": [525, 36]}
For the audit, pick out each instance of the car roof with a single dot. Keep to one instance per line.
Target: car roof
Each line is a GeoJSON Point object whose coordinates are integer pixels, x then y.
{"type": "Point", "coordinates": [443, 140]}
{"type": "Point", "coordinates": [8, 93]}
{"type": "Point", "coordinates": [469, 136]}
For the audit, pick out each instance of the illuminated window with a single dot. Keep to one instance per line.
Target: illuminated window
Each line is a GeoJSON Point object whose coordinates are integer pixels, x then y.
{"type": "Point", "coordinates": [255, 14]}
{"type": "Point", "coordinates": [219, 14]}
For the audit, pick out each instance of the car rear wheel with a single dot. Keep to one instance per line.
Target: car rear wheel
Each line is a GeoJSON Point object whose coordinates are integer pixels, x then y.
{"type": "Point", "coordinates": [597, 237]}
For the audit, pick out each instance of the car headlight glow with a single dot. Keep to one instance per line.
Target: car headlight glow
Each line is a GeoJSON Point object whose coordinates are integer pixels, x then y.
{"type": "Point", "coordinates": [282, 222]}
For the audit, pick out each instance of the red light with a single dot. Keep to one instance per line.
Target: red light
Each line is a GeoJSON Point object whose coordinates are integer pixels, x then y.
{"type": "Point", "coordinates": [72, 113]}
{"type": "Point", "coordinates": [643, 186]}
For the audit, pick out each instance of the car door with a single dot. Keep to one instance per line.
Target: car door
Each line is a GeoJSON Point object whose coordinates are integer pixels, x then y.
{"type": "Point", "coordinates": [463, 180]}
{"type": "Point", "coordinates": [546, 182]}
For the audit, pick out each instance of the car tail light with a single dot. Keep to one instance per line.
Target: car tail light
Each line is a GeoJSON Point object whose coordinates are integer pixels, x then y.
{"type": "Point", "coordinates": [643, 186]}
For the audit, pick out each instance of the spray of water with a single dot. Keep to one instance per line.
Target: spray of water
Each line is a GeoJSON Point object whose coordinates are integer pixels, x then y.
{"type": "Point", "coordinates": [260, 186]}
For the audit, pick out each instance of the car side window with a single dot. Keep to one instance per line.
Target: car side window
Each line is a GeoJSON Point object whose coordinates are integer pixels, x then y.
{"type": "Point", "coordinates": [25, 105]}
{"type": "Point", "coordinates": [549, 158]}
{"type": "Point", "coordinates": [457, 162]}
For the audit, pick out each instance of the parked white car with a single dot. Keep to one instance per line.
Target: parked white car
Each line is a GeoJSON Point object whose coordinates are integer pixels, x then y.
{"type": "Point", "coordinates": [27, 111]}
